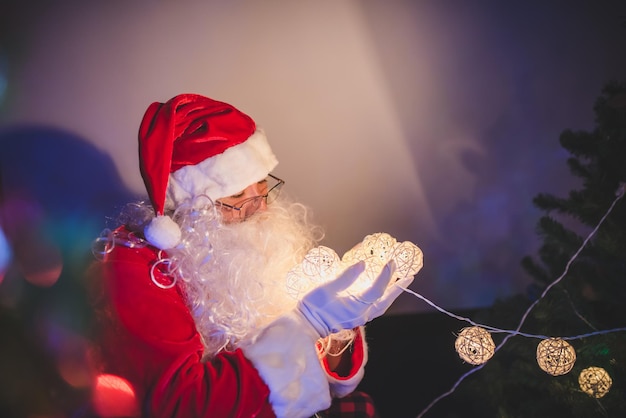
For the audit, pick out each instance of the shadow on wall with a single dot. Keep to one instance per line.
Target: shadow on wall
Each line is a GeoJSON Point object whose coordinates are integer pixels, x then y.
{"type": "Point", "coordinates": [56, 193]}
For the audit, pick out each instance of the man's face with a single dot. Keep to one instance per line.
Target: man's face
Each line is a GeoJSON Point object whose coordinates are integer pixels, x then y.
{"type": "Point", "coordinates": [240, 206]}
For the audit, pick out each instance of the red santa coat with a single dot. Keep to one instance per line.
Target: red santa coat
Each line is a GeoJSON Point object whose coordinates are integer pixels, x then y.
{"type": "Point", "coordinates": [147, 336]}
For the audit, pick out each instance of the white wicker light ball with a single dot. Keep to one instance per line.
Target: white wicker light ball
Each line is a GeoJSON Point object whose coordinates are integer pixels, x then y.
{"type": "Point", "coordinates": [409, 259]}
{"type": "Point", "coordinates": [555, 356]}
{"type": "Point", "coordinates": [474, 345]}
{"type": "Point", "coordinates": [321, 262]}
{"type": "Point", "coordinates": [595, 381]}
{"type": "Point", "coordinates": [319, 265]}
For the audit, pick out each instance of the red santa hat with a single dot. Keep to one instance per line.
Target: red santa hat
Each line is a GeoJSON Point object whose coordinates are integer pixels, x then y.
{"type": "Point", "coordinates": [192, 146]}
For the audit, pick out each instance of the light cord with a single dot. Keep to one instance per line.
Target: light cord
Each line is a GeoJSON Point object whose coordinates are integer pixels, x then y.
{"type": "Point", "coordinates": [506, 331]}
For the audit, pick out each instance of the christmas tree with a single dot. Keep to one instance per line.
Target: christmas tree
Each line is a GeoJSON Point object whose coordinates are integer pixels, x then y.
{"type": "Point", "coordinates": [584, 245]}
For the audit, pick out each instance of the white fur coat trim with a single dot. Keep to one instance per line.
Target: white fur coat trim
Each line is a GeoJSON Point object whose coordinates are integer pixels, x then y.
{"type": "Point", "coordinates": [287, 360]}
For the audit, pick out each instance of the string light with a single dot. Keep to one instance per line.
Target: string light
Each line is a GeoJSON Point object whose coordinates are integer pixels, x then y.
{"type": "Point", "coordinates": [619, 194]}
{"type": "Point", "coordinates": [595, 381]}
{"type": "Point", "coordinates": [474, 345]}
{"type": "Point", "coordinates": [555, 356]}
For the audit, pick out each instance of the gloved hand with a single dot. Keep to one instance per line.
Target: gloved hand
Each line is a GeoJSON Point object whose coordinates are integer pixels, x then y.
{"type": "Point", "coordinates": [329, 312]}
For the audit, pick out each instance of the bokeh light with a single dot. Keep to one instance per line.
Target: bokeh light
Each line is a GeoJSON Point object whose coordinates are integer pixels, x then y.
{"type": "Point", "coordinates": [114, 396]}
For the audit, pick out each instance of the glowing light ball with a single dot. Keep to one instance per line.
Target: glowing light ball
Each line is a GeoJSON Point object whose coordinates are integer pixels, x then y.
{"type": "Point", "coordinates": [409, 259]}
{"type": "Point", "coordinates": [555, 356]}
{"type": "Point", "coordinates": [321, 262]}
{"type": "Point", "coordinates": [474, 345]}
{"type": "Point", "coordinates": [595, 381]}
{"type": "Point", "coordinates": [377, 250]}
{"type": "Point", "coordinates": [320, 265]}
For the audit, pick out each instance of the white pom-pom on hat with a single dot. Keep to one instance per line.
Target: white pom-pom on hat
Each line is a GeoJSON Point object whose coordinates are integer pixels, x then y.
{"type": "Point", "coordinates": [163, 232]}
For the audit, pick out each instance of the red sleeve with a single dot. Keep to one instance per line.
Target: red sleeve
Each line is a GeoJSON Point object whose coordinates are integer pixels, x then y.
{"type": "Point", "coordinates": [148, 337]}
{"type": "Point", "coordinates": [357, 357]}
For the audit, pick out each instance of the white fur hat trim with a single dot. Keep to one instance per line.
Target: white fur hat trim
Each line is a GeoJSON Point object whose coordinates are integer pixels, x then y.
{"type": "Point", "coordinates": [224, 174]}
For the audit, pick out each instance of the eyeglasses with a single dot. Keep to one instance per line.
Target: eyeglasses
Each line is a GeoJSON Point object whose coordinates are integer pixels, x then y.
{"type": "Point", "coordinates": [247, 207]}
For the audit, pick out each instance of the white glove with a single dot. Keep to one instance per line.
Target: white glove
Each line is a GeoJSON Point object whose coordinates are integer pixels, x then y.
{"type": "Point", "coordinates": [329, 312]}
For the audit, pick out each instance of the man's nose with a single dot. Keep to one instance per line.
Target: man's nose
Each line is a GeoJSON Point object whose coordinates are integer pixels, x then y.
{"type": "Point", "coordinates": [261, 203]}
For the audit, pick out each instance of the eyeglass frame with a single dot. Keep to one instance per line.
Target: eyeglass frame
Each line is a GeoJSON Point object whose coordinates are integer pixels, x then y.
{"type": "Point", "coordinates": [278, 185]}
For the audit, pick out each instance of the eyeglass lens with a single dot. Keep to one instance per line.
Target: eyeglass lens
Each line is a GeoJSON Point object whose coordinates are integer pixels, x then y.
{"type": "Point", "coordinates": [250, 206]}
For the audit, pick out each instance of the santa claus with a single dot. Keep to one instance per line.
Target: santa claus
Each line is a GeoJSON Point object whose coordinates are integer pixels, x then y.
{"type": "Point", "coordinates": [193, 314]}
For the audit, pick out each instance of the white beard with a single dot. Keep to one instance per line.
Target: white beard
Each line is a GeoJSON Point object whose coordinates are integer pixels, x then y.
{"type": "Point", "coordinates": [239, 279]}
